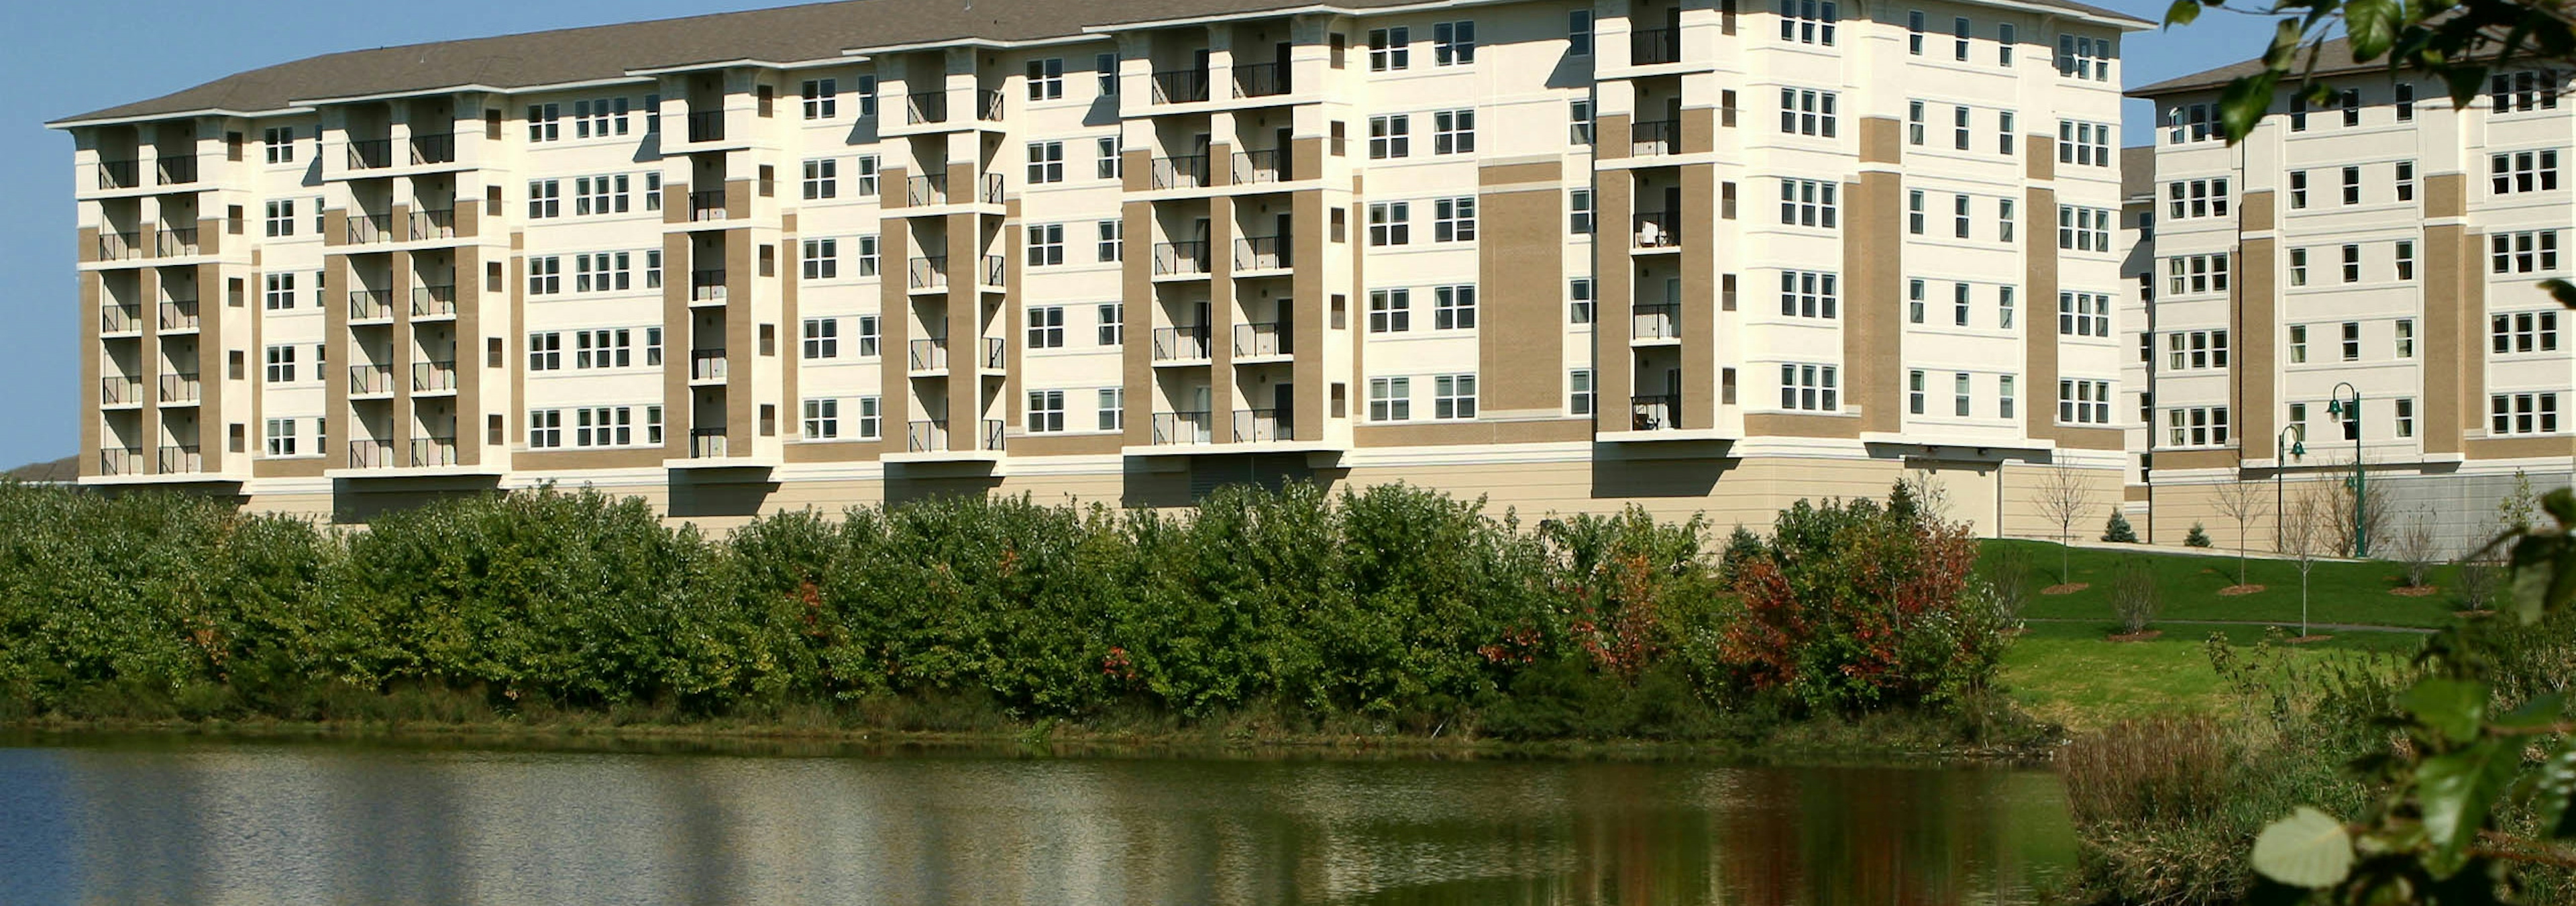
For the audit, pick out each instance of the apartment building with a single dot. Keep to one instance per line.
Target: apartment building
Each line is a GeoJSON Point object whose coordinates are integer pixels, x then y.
{"type": "Point", "coordinates": [2388, 245]}
{"type": "Point", "coordinates": [1568, 256]}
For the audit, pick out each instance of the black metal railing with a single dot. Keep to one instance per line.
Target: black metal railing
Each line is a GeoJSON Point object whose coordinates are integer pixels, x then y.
{"type": "Point", "coordinates": [1261, 253]}
{"type": "Point", "coordinates": [432, 452]}
{"type": "Point", "coordinates": [707, 365]}
{"type": "Point", "coordinates": [1254, 426]}
{"type": "Point", "coordinates": [172, 242]}
{"type": "Point", "coordinates": [707, 127]}
{"type": "Point", "coordinates": [176, 171]}
{"type": "Point", "coordinates": [366, 228]}
{"type": "Point", "coordinates": [1654, 413]}
{"type": "Point", "coordinates": [179, 387]}
{"type": "Point", "coordinates": [992, 188]}
{"type": "Point", "coordinates": [371, 380]}
{"type": "Point", "coordinates": [997, 354]}
{"type": "Point", "coordinates": [371, 304]}
{"type": "Point", "coordinates": [1653, 137]}
{"type": "Point", "coordinates": [1260, 80]}
{"type": "Point", "coordinates": [1180, 86]}
{"type": "Point", "coordinates": [1660, 321]}
{"type": "Point", "coordinates": [928, 189]}
{"type": "Point", "coordinates": [994, 270]}
{"type": "Point", "coordinates": [120, 461]}
{"type": "Point", "coordinates": [120, 174]}
{"type": "Point", "coordinates": [433, 148]}
{"type": "Point", "coordinates": [1180, 344]}
{"type": "Point", "coordinates": [1649, 46]}
{"type": "Point", "coordinates": [1260, 166]}
{"type": "Point", "coordinates": [707, 286]}
{"type": "Point", "coordinates": [1261, 338]}
{"type": "Point", "coordinates": [1182, 427]}
{"type": "Point", "coordinates": [925, 108]}
{"type": "Point", "coordinates": [994, 434]}
{"type": "Point", "coordinates": [371, 153]}
{"type": "Point", "coordinates": [120, 391]}
{"type": "Point", "coordinates": [179, 314]}
{"type": "Point", "coordinates": [1180, 258]}
{"type": "Point", "coordinates": [706, 443]}
{"type": "Point", "coordinates": [989, 107]}
{"type": "Point", "coordinates": [1185, 172]}
{"type": "Point", "coordinates": [433, 223]}
{"type": "Point", "coordinates": [928, 272]}
{"type": "Point", "coordinates": [928, 354]}
{"type": "Point", "coordinates": [708, 205]}
{"type": "Point", "coordinates": [181, 459]}
{"type": "Point", "coordinates": [433, 301]}
{"type": "Point", "coordinates": [926, 436]}
{"type": "Point", "coordinates": [114, 246]}
{"type": "Point", "coordinates": [433, 377]}
{"type": "Point", "coordinates": [1656, 229]}
{"type": "Point", "coordinates": [371, 454]}
{"type": "Point", "coordinates": [120, 318]}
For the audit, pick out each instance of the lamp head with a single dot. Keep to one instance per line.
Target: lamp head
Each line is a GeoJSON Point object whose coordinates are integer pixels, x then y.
{"type": "Point", "coordinates": [2335, 408]}
{"type": "Point", "coordinates": [2299, 449]}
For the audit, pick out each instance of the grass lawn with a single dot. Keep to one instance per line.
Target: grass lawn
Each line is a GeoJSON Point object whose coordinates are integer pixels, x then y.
{"type": "Point", "coordinates": [2067, 672]}
{"type": "Point", "coordinates": [2338, 592]}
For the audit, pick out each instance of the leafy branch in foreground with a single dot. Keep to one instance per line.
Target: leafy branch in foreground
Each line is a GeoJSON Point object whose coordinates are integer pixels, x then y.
{"type": "Point", "coordinates": [2459, 42]}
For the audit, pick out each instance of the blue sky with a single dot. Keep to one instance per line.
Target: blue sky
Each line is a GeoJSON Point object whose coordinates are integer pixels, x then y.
{"type": "Point", "coordinates": [89, 60]}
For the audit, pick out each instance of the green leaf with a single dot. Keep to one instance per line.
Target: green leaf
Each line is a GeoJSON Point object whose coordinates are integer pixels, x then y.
{"type": "Point", "coordinates": [2455, 791]}
{"type": "Point", "coordinates": [2535, 573]}
{"type": "Point", "coordinates": [2551, 788]}
{"type": "Point", "coordinates": [2371, 25]}
{"type": "Point", "coordinates": [2540, 711]}
{"type": "Point", "coordinates": [2560, 505]}
{"type": "Point", "coordinates": [2452, 708]}
{"type": "Point", "coordinates": [2560, 290]}
{"type": "Point", "coordinates": [2244, 102]}
{"type": "Point", "coordinates": [2307, 849]}
{"type": "Point", "coordinates": [2182, 12]}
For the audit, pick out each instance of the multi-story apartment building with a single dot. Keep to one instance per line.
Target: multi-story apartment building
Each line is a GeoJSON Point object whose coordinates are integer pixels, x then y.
{"type": "Point", "coordinates": [2136, 320]}
{"type": "Point", "coordinates": [1568, 255]}
{"type": "Point", "coordinates": [2390, 245]}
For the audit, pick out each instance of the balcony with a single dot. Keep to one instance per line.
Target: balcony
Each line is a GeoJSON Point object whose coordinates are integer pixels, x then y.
{"type": "Point", "coordinates": [707, 366]}
{"type": "Point", "coordinates": [175, 171]}
{"type": "Point", "coordinates": [995, 433]}
{"type": "Point", "coordinates": [1261, 253]}
{"type": "Point", "coordinates": [928, 355]}
{"type": "Point", "coordinates": [997, 354]}
{"type": "Point", "coordinates": [1655, 322]}
{"type": "Point", "coordinates": [433, 301]}
{"type": "Point", "coordinates": [926, 436]}
{"type": "Point", "coordinates": [371, 380]}
{"type": "Point", "coordinates": [1186, 172]}
{"type": "Point", "coordinates": [1261, 339]}
{"type": "Point", "coordinates": [707, 443]}
{"type": "Point", "coordinates": [927, 190]}
{"type": "Point", "coordinates": [1180, 259]}
{"type": "Point", "coordinates": [120, 318]}
{"type": "Point", "coordinates": [992, 193]}
{"type": "Point", "coordinates": [120, 174]}
{"type": "Point", "coordinates": [119, 246]}
{"type": "Point", "coordinates": [1260, 80]}
{"type": "Point", "coordinates": [1652, 46]}
{"type": "Point", "coordinates": [371, 454]}
{"type": "Point", "coordinates": [371, 153]}
{"type": "Point", "coordinates": [179, 387]}
{"type": "Point", "coordinates": [179, 314]}
{"type": "Point", "coordinates": [925, 108]}
{"type": "Point", "coordinates": [430, 452]}
{"type": "Point", "coordinates": [994, 271]}
{"type": "Point", "coordinates": [174, 242]}
{"type": "Point", "coordinates": [1655, 413]}
{"type": "Point", "coordinates": [708, 205]}
{"type": "Point", "coordinates": [433, 223]}
{"type": "Point", "coordinates": [433, 377]}
{"type": "Point", "coordinates": [929, 272]}
{"type": "Point", "coordinates": [1650, 138]}
{"type": "Point", "coordinates": [1259, 167]}
{"type": "Point", "coordinates": [1181, 344]}
{"type": "Point", "coordinates": [1180, 428]}
{"type": "Point", "coordinates": [706, 286]}
{"type": "Point", "coordinates": [120, 391]}
{"type": "Point", "coordinates": [371, 304]}
{"type": "Point", "coordinates": [1180, 86]}
{"type": "Point", "coordinates": [988, 107]}
{"type": "Point", "coordinates": [367, 228]}
{"type": "Point", "coordinates": [120, 461]}
{"type": "Point", "coordinates": [1658, 230]}
{"type": "Point", "coordinates": [707, 127]}
{"type": "Point", "coordinates": [1256, 426]}
{"type": "Point", "coordinates": [433, 148]}
{"type": "Point", "coordinates": [181, 460]}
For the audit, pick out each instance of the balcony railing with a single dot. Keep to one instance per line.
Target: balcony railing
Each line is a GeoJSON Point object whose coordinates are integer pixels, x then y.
{"type": "Point", "coordinates": [176, 171]}
{"type": "Point", "coordinates": [120, 318]}
{"type": "Point", "coordinates": [433, 301]}
{"type": "Point", "coordinates": [1260, 80]}
{"type": "Point", "coordinates": [989, 108]}
{"type": "Point", "coordinates": [1185, 172]}
{"type": "Point", "coordinates": [371, 153]}
{"type": "Point", "coordinates": [366, 228]}
{"type": "Point", "coordinates": [120, 391]}
{"type": "Point", "coordinates": [433, 377]}
{"type": "Point", "coordinates": [707, 365]}
{"type": "Point", "coordinates": [1261, 253]}
{"type": "Point", "coordinates": [1260, 166]}
{"type": "Point", "coordinates": [994, 271]}
{"type": "Point", "coordinates": [1261, 338]}
{"type": "Point", "coordinates": [929, 354]}
{"type": "Point", "coordinates": [708, 205]}
{"type": "Point", "coordinates": [1649, 46]}
{"type": "Point", "coordinates": [1180, 344]}
{"type": "Point", "coordinates": [996, 354]}
{"type": "Point", "coordinates": [707, 443]}
{"type": "Point", "coordinates": [181, 459]}
{"type": "Point", "coordinates": [1657, 230]}
{"type": "Point", "coordinates": [1254, 426]}
{"type": "Point", "coordinates": [371, 304]}
{"type": "Point", "coordinates": [930, 272]}
{"type": "Point", "coordinates": [371, 380]}
{"type": "Point", "coordinates": [928, 189]}
{"type": "Point", "coordinates": [120, 461]}
{"type": "Point", "coordinates": [173, 242]}
{"type": "Point", "coordinates": [707, 127]}
{"type": "Point", "coordinates": [925, 108]}
{"type": "Point", "coordinates": [1648, 138]}
{"type": "Point", "coordinates": [120, 174]}
{"type": "Point", "coordinates": [371, 454]}
{"type": "Point", "coordinates": [179, 387]}
{"type": "Point", "coordinates": [433, 223]}
{"type": "Point", "coordinates": [119, 246]}
{"type": "Point", "coordinates": [179, 314]}
{"type": "Point", "coordinates": [707, 286]}
{"type": "Point", "coordinates": [430, 452]}
{"type": "Point", "coordinates": [433, 148]}
{"type": "Point", "coordinates": [1654, 413]}
{"type": "Point", "coordinates": [1172, 259]}
{"type": "Point", "coordinates": [1180, 86]}
{"type": "Point", "coordinates": [1181, 428]}
{"type": "Point", "coordinates": [992, 188]}
{"type": "Point", "coordinates": [928, 436]}
{"type": "Point", "coordinates": [1655, 322]}
{"type": "Point", "coordinates": [995, 434]}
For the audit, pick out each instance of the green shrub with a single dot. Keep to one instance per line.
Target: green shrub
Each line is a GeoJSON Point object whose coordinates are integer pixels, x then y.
{"type": "Point", "coordinates": [2118, 531]}
{"type": "Point", "coordinates": [2198, 537]}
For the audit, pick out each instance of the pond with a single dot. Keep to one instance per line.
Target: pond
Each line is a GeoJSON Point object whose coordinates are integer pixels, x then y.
{"type": "Point", "coordinates": [196, 821]}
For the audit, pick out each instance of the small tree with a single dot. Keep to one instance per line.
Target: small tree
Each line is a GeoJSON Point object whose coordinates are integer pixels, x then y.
{"type": "Point", "coordinates": [2198, 537]}
{"type": "Point", "coordinates": [2243, 502]}
{"type": "Point", "coordinates": [2134, 596]}
{"type": "Point", "coordinates": [2414, 549]}
{"type": "Point", "coordinates": [2065, 499]}
{"type": "Point", "coordinates": [2305, 534]}
{"type": "Point", "coordinates": [2518, 507]}
{"type": "Point", "coordinates": [2476, 582]}
{"type": "Point", "coordinates": [2117, 530]}
{"type": "Point", "coordinates": [2007, 575]}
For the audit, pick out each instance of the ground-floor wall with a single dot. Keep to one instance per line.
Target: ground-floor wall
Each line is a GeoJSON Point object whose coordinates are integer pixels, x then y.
{"type": "Point", "coordinates": [2457, 501]}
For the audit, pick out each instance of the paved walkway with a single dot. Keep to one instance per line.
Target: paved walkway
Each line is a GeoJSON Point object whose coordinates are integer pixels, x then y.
{"type": "Point", "coordinates": [2336, 627]}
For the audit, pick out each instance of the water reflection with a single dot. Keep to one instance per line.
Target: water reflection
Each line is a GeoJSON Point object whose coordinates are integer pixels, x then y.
{"type": "Point", "coordinates": [343, 824]}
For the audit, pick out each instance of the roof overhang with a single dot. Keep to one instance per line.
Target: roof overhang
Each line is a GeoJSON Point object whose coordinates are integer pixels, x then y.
{"type": "Point", "coordinates": [92, 122]}
{"type": "Point", "coordinates": [971, 43]}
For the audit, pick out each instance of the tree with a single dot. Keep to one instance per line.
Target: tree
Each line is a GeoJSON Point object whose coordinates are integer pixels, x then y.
{"type": "Point", "coordinates": [2197, 537]}
{"type": "Point", "coordinates": [2064, 499]}
{"type": "Point", "coordinates": [2243, 502]}
{"type": "Point", "coordinates": [2117, 531]}
{"type": "Point", "coordinates": [2306, 533]}
{"type": "Point", "coordinates": [2459, 43]}
{"type": "Point", "coordinates": [2416, 550]}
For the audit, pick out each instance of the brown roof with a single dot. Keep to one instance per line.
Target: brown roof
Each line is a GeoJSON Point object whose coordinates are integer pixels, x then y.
{"type": "Point", "coordinates": [2138, 171]}
{"type": "Point", "coordinates": [2333, 58]}
{"type": "Point", "coordinates": [784, 34]}
{"type": "Point", "coordinates": [66, 469]}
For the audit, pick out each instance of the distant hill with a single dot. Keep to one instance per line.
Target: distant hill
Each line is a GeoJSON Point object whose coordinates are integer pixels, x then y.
{"type": "Point", "coordinates": [64, 470]}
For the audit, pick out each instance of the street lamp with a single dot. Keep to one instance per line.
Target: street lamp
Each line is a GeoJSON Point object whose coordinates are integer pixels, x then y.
{"type": "Point", "coordinates": [2282, 449]}
{"type": "Point", "coordinates": [2350, 411]}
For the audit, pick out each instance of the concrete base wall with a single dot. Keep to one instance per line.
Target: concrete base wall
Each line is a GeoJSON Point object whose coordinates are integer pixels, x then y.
{"type": "Point", "coordinates": [2460, 508]}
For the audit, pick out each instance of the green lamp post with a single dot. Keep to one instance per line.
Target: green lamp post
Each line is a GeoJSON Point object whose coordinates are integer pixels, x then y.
{"type": "Point", "coordinates": [2284, 448]}
{"type": "Point", "coordinates": [2350, 411]}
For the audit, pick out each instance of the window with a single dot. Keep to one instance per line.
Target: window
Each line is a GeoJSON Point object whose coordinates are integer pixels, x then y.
{"type": "Point", "coordinates": [822, 419]}
{"type": "Point", "coordinates": [1578, 396]}
{"type": "Point", "coordinates": [1454, 219]}
{"type": "Point", "coordinates": [2190, 123]}
{"type": "Point", "coordinates": [2004, 307]}
{"type": "Point", "coordinates": [1915, 392]}
{"type": "Point", "coordinates": [281, 218]}
{"type": "Point", "coordinates": [1913, 32]}
{"type": "Point", "coordinates": [1578, 114]}
{"type": "Point", "coordinates": [280, 294]}
{"type": "Point", "coordinates": [1959, 304]}
{"type": "Point", "coordinates": [1453, 132]}
{"type": "Point", "coordinates": [822, 98]}
{"type": "Point", "coordinates": [2083, 229]}
{"type": "Point", "coordinates": [1453, 43]}
{"type": "Point", "coordinates": [542, 126]}
{"type": "Point", "coordinates": [822, 259]}
{"type": "Point", "coordinates": [2004, 134]}
{"type": "Point", "coordinates": [2298, 267]}
{"type": "Point", "coordinates": [653, 347]}
{"type": "Point", "coordinates": [2351, 341]}
{"type": "Point", "coordinates": [1805, 294]}
{"type": "Point", "coordinates": [1914, 122]}
{"type": "Point", "coordinates": [2530, 331]}
{"type": "Point", "coordinates": [2003, 220]}
{"type": "Point", "coordinates": [1046, 162]}
{"type": "Point", "coordinates": [867, 257]}
{"type": "Point", "coordinates": [2405, 338]}
{"type": "Point", "coordinates": [280, 144]}
{"type": "Point", "coordinates": [1390, 49]}
{"type": "Point", "coordinates": [1046, 79]}
{"type": "Point", "coordinates": [2523, 171]}
{"type": "Point", "coordinates": [545, 352]}
{"type": "Point", "coordinates": [2083, 402]}
{"type": "Point", "coordinates": [2522, 91]}
{"type": "Point", "coordinates": [2196, 198]}
{"type": "Point", "coordinates": [2298, 189]}
{"type": "Point", "coordinates": [822, 338]}
{"type": "Point", "coordinates": [2350, 100]}
{"type": "Point", "coordinates": [866, 172]}
{"type": "Point", "coordinates": [1808, 388]}
{"type": "Point", "coordinates": [2352, 264]}
{"type": "Point", "coordinates": [822, 179]}
{"type": "Point", "coordinates": [2081, 57]}
{"type": "Point", "coordinates": [1046, 327]}
{"type": "Point", "coordinates": [1046, 245]}
{"type": "Point", "coordinates": [1390, 399]}
{"type": "Point", "coordinates": [1961, 399]}
{"type": "Point", "coordinates": [1579, 210]}
{"type": "Point", "coordinates": [600, 194]}
{"type": "Point", "coordinates": [2005, 38]}
{"type": "Point", "coordinates": [603, 348]}
{"type": "Point", "coordinates": [2298, 344]}
{"type": "Point", "coordinates": [2405, 180]}
{"type": "Point", "coordinates": [1453, 396]}
{"type": "Point", "coordinates": [1807, 21]}
{"type": "Point", "coordinates": [2524, 252]}
{"type": "Point", "coordinates": [2196, 350]}
{"type": "Point", "coordinates": [1390, 310]}
{"type": "Point", "coordinates": [1806, 111]}
{"type": "Point", "coordinates": [1046, 411]}
{"type": "Point", "coordinates": [2352, 185]}
{"type": "Point", "coordinates": [2084, 144]}
{"type": "Point", "coordinates": [594, 119]}
{"type": "Point", "coordinates": [2196, 426]}
{"type": "Point", "coordinates": [1105, 162]}
{"type": "Point", "coordinates": [545, 198]}
{"type": "Point", "coordinates": [1453, 307]}
{"type": "Point", "coordinates": [1390, 136]}
{"type": "Point", "coordinates": [1113, 408]}
{"type": "Point", "coordinates": [1390, 223]}
{"type": "Point", "coordinates": [545, 275]}
{"type": "Point", "coordinates": [1915, 301]}
{"type": "Point", "coordinates": [2196, 274]}
{"type": "Point", "coordinates": [1959, 128]}
{"type": "Point", "coordinates": [1113, 324]}
{"type": "Point", "coordinates": [1112, 245]}
{"type": "Point", "coordinates": [1803, 202]}
{"type": "Point", "coordinates": [1578, 292]}
{"type": "Point", "coordinates": [545, 428]}
{"type": "Point", "coordinates": [1578, 32]}
{"type": "Point", "coordinates": [1959, 216]}
{"type": "Point", "coordinates": [1105, 69]}
{"type": "Point", "coordinates": [2523, 413]}
{"type": "Point", "coordinates": [600, 272]}
{"type": "Point", "coordinates": [1959, 47]}
{"type": "Point", "coordinates": [2083, 314]}
{"type": "Point", "coordinates": [2405, 102]}
{"type": "Point", "coordinates": [281, 365]}
{"type": "Point", "coordinates": [281, 437]}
